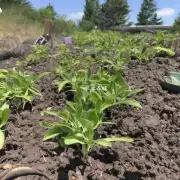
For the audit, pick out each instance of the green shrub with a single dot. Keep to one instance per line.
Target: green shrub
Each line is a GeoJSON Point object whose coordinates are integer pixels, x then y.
{"type": "Point", "coordinates": [86, 25]}
{"type": "Point", "coordinates": [64, 26]}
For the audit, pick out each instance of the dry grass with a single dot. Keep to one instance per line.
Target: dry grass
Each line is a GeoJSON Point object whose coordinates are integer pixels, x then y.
{"type": "Point", "coordinates": [13, 33]}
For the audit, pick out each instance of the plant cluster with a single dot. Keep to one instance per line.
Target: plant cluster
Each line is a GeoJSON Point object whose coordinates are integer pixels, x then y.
{"type": "Point", "coordinates": [17, 86]}
{"type": "Point", "coordinates": [78, 123]}
{"type": "Point", "coordinates": [38, 53]}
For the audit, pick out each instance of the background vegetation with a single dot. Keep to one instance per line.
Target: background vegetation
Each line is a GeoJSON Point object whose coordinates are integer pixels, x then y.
{"type": "Point", "coordinates": [19, 20]}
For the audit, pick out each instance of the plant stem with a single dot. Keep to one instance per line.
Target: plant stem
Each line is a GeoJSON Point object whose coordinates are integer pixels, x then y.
{"type": "Point", "coordinates": [85, 151]}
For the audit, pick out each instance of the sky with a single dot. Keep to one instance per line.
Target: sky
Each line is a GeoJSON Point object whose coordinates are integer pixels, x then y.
{"type": "Point", "coordinates": [73, 9]}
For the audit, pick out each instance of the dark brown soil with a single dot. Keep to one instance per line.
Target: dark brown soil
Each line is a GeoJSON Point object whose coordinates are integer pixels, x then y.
{"type": "Point", "coordinates": [154, 155]}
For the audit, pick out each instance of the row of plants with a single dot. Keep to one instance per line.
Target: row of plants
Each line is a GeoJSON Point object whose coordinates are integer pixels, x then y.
{"type": "Point", "coordinates": [94, 88]}
{"type": "Point", "coordinates": [16, 89]}
{"type": "Point", "coordinates": [92, 71]}
{"type": "Point", "coordinates": [110, 48]}
{"type": "Point", "coordinates": [143, 46]}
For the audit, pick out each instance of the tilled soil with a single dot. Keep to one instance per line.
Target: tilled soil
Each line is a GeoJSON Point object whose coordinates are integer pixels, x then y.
{"type": "Point", "coordinates": [154, 154]}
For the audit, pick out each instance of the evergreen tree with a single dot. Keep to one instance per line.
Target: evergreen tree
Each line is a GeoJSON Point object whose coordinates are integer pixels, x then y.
{"type": "Point", "coordinates": [91, 12]}
{"type": "Point", "coordinates": [114, 13]}
{"type": "Point", "coordinates": [176, 25]}
{"type": "Point", "coordinates": [148, 15]}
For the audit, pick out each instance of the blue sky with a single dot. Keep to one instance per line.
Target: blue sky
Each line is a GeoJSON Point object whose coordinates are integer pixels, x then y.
{"type": "Point", "coordinates": [73, 9]}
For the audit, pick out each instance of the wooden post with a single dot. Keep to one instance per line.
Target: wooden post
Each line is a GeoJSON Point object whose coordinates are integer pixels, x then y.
{"type": "Point", "coordinates": [49, 28]}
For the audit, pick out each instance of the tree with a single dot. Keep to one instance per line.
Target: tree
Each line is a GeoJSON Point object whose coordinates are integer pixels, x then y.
{"type": "Point", "coordinates": [64, 26]}
{"type": "Point", "coordinates": [47, 13]}
{"type": "Point", "coordinates": [148, 15]}
{"type": "Point", "coordinates": [176, 25]}
{"type": "Point", "coordinates": [91, 12]}
{"type": "Point", "coordinates": [114, 13]}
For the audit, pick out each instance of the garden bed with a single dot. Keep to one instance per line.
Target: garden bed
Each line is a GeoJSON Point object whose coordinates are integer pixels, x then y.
{"type": "Point", "coordinates": [154, 154]}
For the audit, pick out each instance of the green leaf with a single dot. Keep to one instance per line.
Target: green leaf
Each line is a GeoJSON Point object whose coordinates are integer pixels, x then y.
{"type": "Point", "coordinates": [64, 115]}
{"type": "Point", "coordinates": [92, 116]}
{"type": "Point", "coordinates": [4, 114]}
{"type": "Point", "coordinates": [130, 102]}
{"type": "Point", "coordinates": [71, 106]}
{"type": "Point", "coordinates": [1, 139]}
{"type": "Point", "coordinates": [50, 113]}
{"type": "Point", "coordinates": [79, 135]}
{"type": "Point", "coordinates": [120, 80]}
{"type": "Point", "coordinates": [35, 91]}
{"type": "Point", "coordinates": [61, 84]}
{"type": "Point", "coordinates": [71, 140]}
{"type": "Point", "coordinates": [103, 82]}
{"type": "Point", "coordinates": [43, 74]}
{"type": "Point", "coordinates": [125, 139]}
{"type": "Point", "coordinates": [81, 93]}
{"type": "Point", "coordinates": [56, 131]}
{"type": "Point", "coordinates": [96, 100]}
{"type": "Point", "coordinates": [52, 133]}
{"type": "Point", "coordinates": [107, 105]}
{"type": "Point", "coordinates": [86, 124]}
{"type": "Point", "coordinates": [108, 123]}
{"type": "Point", "coordinates": [48, 125]}
{"type": "Point", "coordinates": [26, 97]}
{"type": "Point", "coordinates": [96, 96]}
{"type": "Point", "coordinates": [167, 50]}
{"type": "Point", "coordinates": [135, 91]}
{"type": "Point", "coordinates": [103, 143]}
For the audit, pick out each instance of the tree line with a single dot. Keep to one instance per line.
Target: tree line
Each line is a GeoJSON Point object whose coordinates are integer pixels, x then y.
{"type": "Point", "coordinates": [116, 13]}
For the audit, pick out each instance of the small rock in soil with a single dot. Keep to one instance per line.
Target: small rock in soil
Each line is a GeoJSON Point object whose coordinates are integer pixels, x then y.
{"type": "Point", "coordinates": [165, 116]}
{"type": "Point", "coordinates": [151, 120]}
{"type": "Point", "coordinates": [7, 166]}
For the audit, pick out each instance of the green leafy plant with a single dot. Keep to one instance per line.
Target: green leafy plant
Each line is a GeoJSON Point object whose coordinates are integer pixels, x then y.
{"type": "Point", "coordinates": [39, 52]}
{"type": "Point", "coordinates": [4, 116]}
{"type": "Point", "coordinates": [160, 38]}
{"type": "Point", "coordinates": [78, 126]}
{"type": "Point", "coordinates": [18, 86]}
{"type": "Point", "coordinates": [143, 52]}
